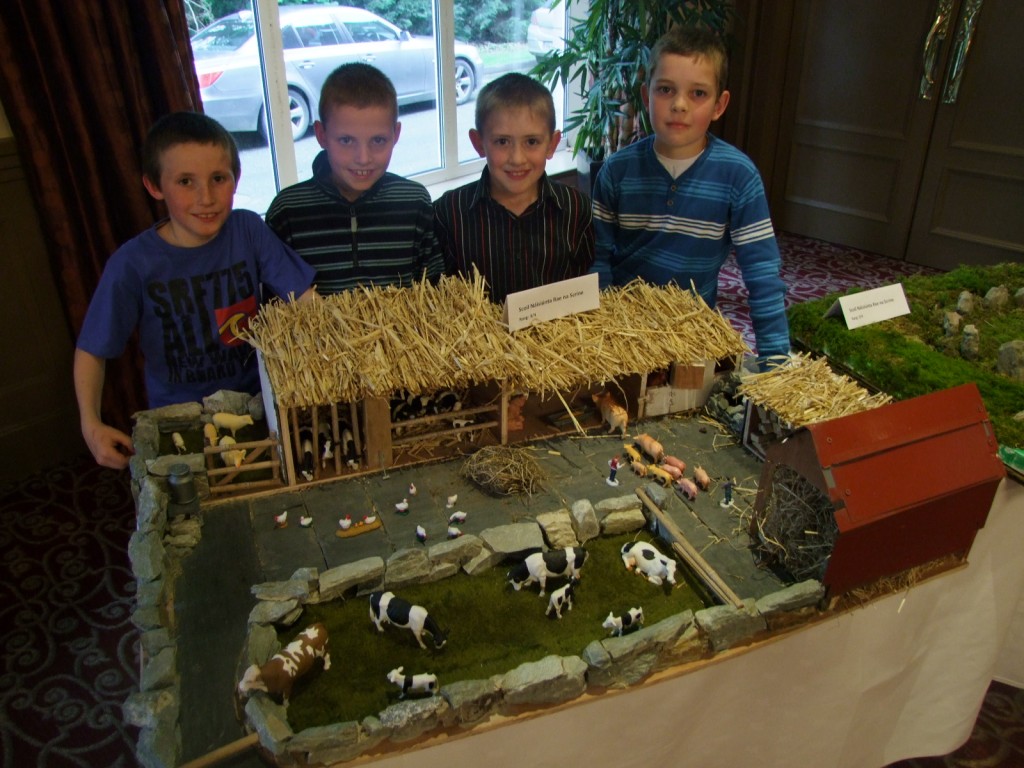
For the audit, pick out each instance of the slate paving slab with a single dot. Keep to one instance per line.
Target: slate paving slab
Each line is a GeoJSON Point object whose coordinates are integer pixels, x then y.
{"type": "Point", "coordinates": [242, 533]}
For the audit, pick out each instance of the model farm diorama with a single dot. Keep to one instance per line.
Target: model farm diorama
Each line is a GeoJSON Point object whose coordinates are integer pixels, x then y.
{"type": "Point", "coordinates": [379, 379]}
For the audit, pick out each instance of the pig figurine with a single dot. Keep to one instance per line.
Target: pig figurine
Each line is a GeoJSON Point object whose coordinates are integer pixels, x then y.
{"type": "Point", "coordinates": [650, 446]}
{"type": "Point", "coordinates": [687, 487]}
{"type": "Point", "coordinates": [611, 412]}
{"type": "Point", "coordinates": [700, 477]}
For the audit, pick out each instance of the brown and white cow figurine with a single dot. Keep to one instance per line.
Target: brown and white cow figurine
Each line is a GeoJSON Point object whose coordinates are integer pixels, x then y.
{"type": "Point", "coordinates": [278, 675]}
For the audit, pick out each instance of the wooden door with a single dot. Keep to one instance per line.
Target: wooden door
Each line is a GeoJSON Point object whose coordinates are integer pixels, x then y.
{"type": "Point", "coordinates": [971, 206]}
{"type": "Point", "coordinates": [880, 160]}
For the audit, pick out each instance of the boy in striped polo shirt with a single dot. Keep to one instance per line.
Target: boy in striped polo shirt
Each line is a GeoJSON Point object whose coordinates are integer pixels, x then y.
{"type": "Point", "coordinates": [670, 207]}
{"type": "Point", "coordinates": [355, 222]}
{"type": "Point", "coordinates": [516, 226]}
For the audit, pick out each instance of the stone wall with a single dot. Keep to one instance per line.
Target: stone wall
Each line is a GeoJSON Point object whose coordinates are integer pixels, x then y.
{"type": "Point", "coordinates": [162, 539]}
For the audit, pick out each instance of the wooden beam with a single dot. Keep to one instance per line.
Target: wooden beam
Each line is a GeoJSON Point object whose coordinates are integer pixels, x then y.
{"type": "Point", "coordinates": [693, 558]}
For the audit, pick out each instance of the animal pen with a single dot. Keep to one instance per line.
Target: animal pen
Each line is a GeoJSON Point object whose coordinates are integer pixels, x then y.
{"type": "Point", "coordinates": [338, 369]}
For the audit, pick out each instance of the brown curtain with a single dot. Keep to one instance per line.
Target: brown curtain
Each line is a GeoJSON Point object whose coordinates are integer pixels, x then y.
{"type": "Point", "coordinates": [80, 83]}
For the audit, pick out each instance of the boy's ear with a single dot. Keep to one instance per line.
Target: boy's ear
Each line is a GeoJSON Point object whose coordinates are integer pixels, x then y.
{"type": "Point", "coordinates": [721, 104]}
{"type": "Point", "coordinates": [152, 188]}
{"type": "Point", "coordinates": [398, 130]}
{"type": "Point", "coordinates": [556, 137]}
{"type": "Point", "coordinates": [321, 134]}
{"type": "Point", "coordinates": [645, 96]}
{"type": "Point", "coordinates": [477, 140]}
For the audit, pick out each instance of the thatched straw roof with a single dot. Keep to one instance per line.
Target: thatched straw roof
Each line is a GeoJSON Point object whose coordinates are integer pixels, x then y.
{"type": "Point", "coordinates": [806, 390]}
{"type": "Point", "coordinates": [376, 341]}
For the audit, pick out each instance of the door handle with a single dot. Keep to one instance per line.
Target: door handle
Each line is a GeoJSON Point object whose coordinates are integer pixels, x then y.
{"type": "Point", "coordinates": [932, 46]}
{"type": "Point", "coordinates": [962, 43]}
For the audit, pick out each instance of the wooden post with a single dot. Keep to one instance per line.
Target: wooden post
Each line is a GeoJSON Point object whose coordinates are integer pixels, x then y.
{"type": "Point", "coordinates": [504, 413]}
{"type": "Point", "coordinates": [379, 452]}
{"type": "Point", "coordinates": [353, 415]}
{"type": "Point", "coordinates": [336, 436]}
{"type": "Point", "coordinates": [288, 434]}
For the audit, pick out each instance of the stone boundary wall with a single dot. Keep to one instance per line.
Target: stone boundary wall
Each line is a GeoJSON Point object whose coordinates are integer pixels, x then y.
{"type": "Point", "coordinates": [164, 536]}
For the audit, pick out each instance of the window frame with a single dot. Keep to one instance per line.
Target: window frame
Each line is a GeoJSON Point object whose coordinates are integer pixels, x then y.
{"type": "Point", "coordinates": [452, 171]}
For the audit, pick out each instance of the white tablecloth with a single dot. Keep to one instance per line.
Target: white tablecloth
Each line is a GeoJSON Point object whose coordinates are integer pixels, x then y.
{"type": "Point", "coordinates": [902, 677]}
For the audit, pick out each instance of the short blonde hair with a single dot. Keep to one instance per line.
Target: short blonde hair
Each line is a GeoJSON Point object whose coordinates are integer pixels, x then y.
{"type": "Point", "coordinates": [358, 85]}
{"type": "Point", "coordinates": [692, 41]}
{"type": "Point", "coordinates": [514, 90]}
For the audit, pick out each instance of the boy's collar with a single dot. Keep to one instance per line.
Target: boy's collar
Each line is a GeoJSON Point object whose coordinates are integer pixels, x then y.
{"type": "Point", "coordinates": [483, 190]}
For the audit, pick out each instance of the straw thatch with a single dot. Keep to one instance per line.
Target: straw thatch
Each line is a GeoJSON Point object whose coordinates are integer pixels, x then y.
{"type": "Point", "coordinates": [806, 390]}
{"type": "Point", "coordinates": [375, 341]}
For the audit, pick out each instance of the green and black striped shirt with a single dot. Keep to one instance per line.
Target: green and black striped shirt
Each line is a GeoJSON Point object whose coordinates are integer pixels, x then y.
{"type": "Point", "coordinates": [386, 237]}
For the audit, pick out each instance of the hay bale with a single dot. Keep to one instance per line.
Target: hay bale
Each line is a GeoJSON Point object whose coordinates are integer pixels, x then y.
{"type": "Point", "coordinates": [806, 390]}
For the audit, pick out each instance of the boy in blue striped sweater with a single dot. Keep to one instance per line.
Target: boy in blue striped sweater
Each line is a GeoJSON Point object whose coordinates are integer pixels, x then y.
{"type": "Point", "coordinates": [670, 207]}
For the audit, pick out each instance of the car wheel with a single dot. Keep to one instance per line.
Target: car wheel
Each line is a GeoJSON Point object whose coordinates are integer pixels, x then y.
{"type": "Point", "coordinates": [299, 115]}
{"type": "Point", "coordinates": [465, 81]}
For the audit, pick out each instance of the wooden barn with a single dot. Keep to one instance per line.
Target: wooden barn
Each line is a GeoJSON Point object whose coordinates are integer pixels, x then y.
{"type": "Point", "coordinates": [865, 496]}
{"type": "Point", "coordinates": [382, 377]}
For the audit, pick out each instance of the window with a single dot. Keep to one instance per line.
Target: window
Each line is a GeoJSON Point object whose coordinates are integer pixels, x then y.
{"type": "Point", "coordinates": [239, 77]}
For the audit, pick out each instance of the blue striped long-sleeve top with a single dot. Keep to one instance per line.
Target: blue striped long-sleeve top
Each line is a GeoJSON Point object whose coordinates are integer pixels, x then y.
{"type": "Point", "coordinates": [665, 230]}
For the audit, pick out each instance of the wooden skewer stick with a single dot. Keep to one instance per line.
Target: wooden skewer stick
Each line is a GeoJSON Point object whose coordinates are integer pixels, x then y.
{"type": "Point", "coordinates": [223, 753]}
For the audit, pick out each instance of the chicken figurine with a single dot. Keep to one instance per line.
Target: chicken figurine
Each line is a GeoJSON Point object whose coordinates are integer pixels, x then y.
{"type": "Point", "coordinates": [281, 521]}
{"type": "Point", "coordinates": [456, 518]}
{"type": "Point", "coordinates": [305, 521]}
{"type": "Point", "coordinates": [345, 523]}
{"type": "Point", "coordinates": [412, 489]}
{"type": "Point", "coordinates": [369, 519]}
{"type": "Point", "coordinates": [421, 534]}
{"type": "Point", "coordinates": [453, 532]}
{"type": "Point", "coordinates": [452, 500]}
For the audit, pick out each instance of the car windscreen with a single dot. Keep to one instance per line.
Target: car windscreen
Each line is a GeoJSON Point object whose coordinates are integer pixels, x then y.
{"type": "Point", "coordinates": [223, 36]}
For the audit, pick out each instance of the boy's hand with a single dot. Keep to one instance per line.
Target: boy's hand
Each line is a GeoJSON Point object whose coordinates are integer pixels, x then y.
{"type": "Point", "coordinates": [109, 446]}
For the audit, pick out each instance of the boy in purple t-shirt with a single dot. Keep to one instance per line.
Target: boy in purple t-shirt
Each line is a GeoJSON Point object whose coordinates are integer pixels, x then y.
{"type": "Point", "coordinates": [189, 284]}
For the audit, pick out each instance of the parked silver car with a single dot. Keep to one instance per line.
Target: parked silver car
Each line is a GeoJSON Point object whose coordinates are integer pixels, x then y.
{"type": "Point", "coordinates": [546, 31]}
{"type": "Point", "coordinates": [316, 39]}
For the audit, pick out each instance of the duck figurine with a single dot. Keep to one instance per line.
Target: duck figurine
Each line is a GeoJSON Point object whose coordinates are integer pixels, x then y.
{"type": "Point", "coordinates": [457, 517]}
{"type": "Point", "coordinates": [452, 500]}
{"type": "Point", "coordinates": [306, 520]}
{"type": "Point", "coordinates": [402, 507]}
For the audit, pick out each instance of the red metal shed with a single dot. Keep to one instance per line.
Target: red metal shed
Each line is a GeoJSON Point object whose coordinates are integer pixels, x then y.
{"type": "Point", "coordinates": [908, 482]}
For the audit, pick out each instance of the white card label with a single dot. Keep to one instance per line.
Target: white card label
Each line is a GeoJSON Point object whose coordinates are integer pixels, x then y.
{"type": "Point", "coordinates": [546, 302]}
{"type": "Point", "coordinates": [871, 306]}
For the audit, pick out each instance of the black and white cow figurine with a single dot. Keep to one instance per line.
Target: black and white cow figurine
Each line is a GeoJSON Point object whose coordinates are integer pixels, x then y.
{"type": "Point", "coordinates": [423, 683]}
{"type": "Point", "coordinates": [649, 562]}
{"type": "Point", "coordinates": [385, 608]}
{"type": "Point", "coordinates": [562, 598]}
{"type": "Point", "coordinates": [634, 617]}
{"type": "Point", "coordinates": [541, 565]}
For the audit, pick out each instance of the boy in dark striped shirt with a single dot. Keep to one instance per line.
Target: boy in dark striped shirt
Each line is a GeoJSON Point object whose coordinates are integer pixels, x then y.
{"type": "Point", "coordinates": [355, 222]}
{"type": "Point", "coordinates": [516, 226]}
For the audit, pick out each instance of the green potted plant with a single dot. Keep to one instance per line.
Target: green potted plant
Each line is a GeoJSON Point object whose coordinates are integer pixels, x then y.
{"type": "Point", "coordinates": [605, 58]}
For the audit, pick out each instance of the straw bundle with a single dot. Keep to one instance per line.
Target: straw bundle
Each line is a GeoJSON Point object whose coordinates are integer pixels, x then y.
{"type": "Point", "coordinates": [375, 341]}
{"type": "Point", "coordinates": [504, 470]}
{"type": "Point", "coordinates": [806, 391]}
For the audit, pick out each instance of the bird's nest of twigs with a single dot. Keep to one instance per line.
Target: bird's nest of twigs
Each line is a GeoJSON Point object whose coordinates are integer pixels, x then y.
{"type": "Point", "coordinates": [504, 470]}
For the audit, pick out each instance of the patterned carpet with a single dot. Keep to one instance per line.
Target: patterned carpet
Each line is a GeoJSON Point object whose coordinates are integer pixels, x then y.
{"type": "Point", "coordinates": [66, 588]}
